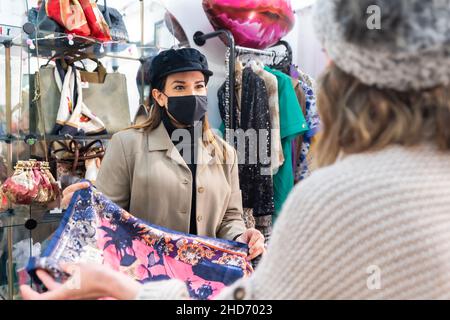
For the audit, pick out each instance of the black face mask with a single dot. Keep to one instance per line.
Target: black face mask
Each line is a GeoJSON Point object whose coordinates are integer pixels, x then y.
{"type": "Point", "coordinates": [188, 109]}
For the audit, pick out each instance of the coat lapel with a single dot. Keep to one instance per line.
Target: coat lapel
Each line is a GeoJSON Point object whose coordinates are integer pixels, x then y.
{"type": "Point", "coordinates": [159, 140]}
{"type": "Point", "coordinates": [206, 156]}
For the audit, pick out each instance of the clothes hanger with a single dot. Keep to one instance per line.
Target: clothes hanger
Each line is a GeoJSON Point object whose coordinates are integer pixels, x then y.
{"type": "Point", "coordinates": [274, 60]}
{"type": "Point", "coordinates": [285, 64]}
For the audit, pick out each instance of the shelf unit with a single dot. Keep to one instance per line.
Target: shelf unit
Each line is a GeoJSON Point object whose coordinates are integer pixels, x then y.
{"type": "Point", "coordinates": [19, 223]}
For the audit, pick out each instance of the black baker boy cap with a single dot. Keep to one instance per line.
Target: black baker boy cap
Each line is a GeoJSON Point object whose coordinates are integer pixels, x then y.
{"type": "Point", "coordinates": [180, 60]}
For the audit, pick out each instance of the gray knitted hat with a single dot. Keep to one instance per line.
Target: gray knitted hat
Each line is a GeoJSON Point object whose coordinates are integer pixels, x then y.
{"type": "Point", "coordinates": [411, 50]}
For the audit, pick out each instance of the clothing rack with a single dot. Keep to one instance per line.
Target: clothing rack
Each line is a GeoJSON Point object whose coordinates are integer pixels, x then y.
{"type": "Point", "coordinates": [244, 50]}
{"type": "Point", "coordinates": [31, 139]}
{"type": "Point", "coordinates": [200, 39]}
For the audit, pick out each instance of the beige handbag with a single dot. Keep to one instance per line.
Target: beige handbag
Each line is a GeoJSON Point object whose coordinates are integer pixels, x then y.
{"type": "Point", "coordinates": [105, 94]}
{"type": "Point", "coordinates": [47, 98]}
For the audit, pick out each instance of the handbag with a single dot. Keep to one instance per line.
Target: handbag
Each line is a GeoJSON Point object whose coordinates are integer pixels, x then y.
{"type": "Point", "coordinates": [108, 99]}
{"type": "Point", "coordinates": [44, 26]}
{"type": "Point", "coordinates": [31, 182]}
{"type": "Point", "coordinates": [72, 159]}
{"type": "Point", "coordinates": [80, 17]}
{"type": "Point", "coordinates": [70, 15]}
{"type": "Point", "coordinates": [39, 17]}
{"type": "Point", "coordinates": [96, 21]}
{"type": "Point", "coordinates": [74, 116]}
{"type": "Point", "coordinates": [105, 94]}
{"type": "Point", "coordinates": [114, 19]}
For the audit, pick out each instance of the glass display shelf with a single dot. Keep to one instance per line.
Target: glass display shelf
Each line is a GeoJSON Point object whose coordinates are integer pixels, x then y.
{"type": "Point", "coordinates": [47, 44]}
{"type": "Point", "coordinates": [25, 230]}
{"type": "Point", "coordinates": [21, 215]}
{"type": "Point", "coordinates": [19, 244]}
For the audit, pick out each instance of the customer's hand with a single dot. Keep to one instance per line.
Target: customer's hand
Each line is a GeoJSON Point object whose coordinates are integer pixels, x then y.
{"type": "Point", "coordinates": [88, 281]}
{"type": "Point", "coordinates": [70, 190]}
{"type": "Point", "coordinates": [255, 240]}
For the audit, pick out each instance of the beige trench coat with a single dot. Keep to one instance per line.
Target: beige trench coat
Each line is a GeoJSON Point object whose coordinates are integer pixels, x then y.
{"type": "Point", "coordinates": [144, 173]}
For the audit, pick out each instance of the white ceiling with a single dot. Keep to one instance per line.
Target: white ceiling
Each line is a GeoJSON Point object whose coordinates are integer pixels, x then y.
{"type": "Point", "coordinates": [300, 4]}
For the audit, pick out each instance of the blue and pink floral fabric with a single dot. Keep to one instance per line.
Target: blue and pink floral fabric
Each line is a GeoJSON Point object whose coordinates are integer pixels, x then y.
{"type": "Point", "coordinates": [96, 230]}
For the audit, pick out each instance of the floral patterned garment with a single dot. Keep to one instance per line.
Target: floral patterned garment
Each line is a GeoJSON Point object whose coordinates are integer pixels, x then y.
{"type": "Point", "coordinates": [95, 230]}
{"type": "Point", "coordinates": [313, 120]}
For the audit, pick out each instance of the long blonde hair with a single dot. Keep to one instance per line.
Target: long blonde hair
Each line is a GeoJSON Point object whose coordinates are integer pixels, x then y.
{"type": "Point", "coordinates": [358, 118]}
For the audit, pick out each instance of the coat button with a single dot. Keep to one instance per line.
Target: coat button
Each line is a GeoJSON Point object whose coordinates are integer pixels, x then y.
{"type": "Point", "coordinates": [239, 293]}
{"type": "Point", "coordinates": [201, 190]}
{"type": "Point", "coordinates": [199, 218]}
{"type": "Point", "coordinates": [185, 181]}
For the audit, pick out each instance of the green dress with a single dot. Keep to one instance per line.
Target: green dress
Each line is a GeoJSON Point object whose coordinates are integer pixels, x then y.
{"type": "Point", "coordinates": [292, 124]}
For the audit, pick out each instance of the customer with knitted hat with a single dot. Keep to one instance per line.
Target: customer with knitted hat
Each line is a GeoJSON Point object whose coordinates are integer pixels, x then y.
{"type": "Point", "coordinates": [374, 221]}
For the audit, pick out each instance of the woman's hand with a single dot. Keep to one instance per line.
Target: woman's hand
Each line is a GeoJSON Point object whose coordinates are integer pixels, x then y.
{"type": "Point", "coordinates": [87, 281]}
{"type": "Point", "coordinates": [255, 240]}
{"type": "Point", "coordinates": [70, 190]}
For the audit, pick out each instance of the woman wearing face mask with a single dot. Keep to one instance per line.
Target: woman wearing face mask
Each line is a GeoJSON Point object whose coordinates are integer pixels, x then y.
{"type": "Point", "coordinates": [171, 170]}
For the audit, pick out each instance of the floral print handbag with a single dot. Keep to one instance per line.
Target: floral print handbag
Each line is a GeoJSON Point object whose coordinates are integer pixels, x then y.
{"type": "Point", "coordinates": [32, 182]}
{"type": "Point", "coordinates": [95, 230]}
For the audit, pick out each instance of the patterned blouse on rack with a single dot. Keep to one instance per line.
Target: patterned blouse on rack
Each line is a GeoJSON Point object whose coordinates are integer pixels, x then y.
{"type": "Point", "coordinates": [313, 120]}
{"type": "Point", "coordinates": [95, 230]}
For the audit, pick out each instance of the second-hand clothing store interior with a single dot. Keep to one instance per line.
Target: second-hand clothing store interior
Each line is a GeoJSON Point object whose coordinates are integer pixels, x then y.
{"type": "Point", "coordinates": [66, 97]}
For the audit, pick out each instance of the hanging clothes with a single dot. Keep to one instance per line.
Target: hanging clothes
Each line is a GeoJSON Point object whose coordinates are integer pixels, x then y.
{"type": "Point", "coordinates": [238, 91]}
{"type": "Point", "coordinates": [255, 178]}
{"type": "Point", "coordinates": [292, 124]}
{"type": "Point", "coordinates": [221, 94]}
{"type": "Point", "coordinates": [270, 80]}
{"type": "Point", "coordinates": [297, 143]}
{"type": "Point", "coordinates": [313, 120]}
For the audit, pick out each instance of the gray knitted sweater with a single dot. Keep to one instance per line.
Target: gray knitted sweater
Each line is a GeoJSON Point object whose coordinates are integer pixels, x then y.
{"type": "Point", "coordinates": [371, 226]}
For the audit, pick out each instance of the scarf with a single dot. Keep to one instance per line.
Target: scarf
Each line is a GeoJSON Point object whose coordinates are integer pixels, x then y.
{"type": "Point", "coordinates": [74, 120]}
{"type": "Point", "coordinates": [95, 230]}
